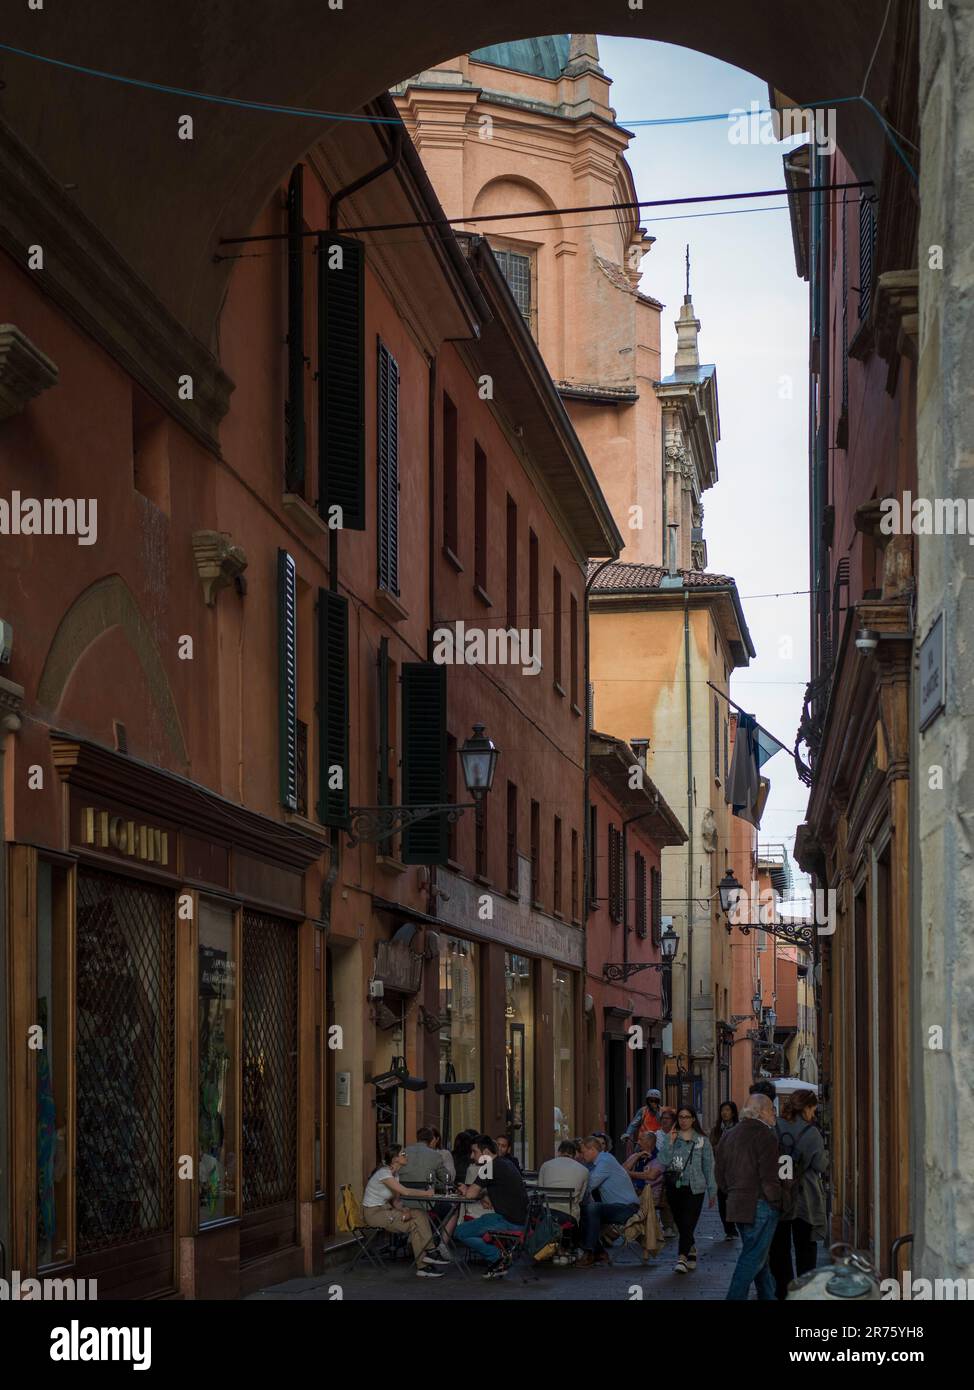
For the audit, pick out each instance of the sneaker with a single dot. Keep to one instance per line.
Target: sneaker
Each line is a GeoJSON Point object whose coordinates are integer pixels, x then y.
{"type": "Point", "coordinates": [669, 1233]}
{"type": "Point", "coordinates": [496, 1271]}
{"type": "Point", "coordinates": [424, 1272]}
{"type": "Point", "coordinates": [435, 1258]}
{"type": "Point", "coordinates": [585, 1260]}
{"type": "Point", "coordinates": [692, 1258]}
{"type": "Point", "coordinates": [681, 1266]}
{"type": "Point", "coordinates": [730, 1235]}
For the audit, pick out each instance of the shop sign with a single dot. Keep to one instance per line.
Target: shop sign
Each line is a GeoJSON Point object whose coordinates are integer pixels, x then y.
{"type": "Point", "coordinates": [932, 673]}
{"type": "Point", "coordinates": [104, 830]}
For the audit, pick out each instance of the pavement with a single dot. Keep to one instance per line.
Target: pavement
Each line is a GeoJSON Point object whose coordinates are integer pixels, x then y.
{"type": "Point", "coordinates": [626, 1279]}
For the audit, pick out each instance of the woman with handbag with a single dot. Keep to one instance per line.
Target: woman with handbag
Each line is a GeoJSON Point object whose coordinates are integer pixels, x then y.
{"type": "Point", "coordinates": [688, 1164]}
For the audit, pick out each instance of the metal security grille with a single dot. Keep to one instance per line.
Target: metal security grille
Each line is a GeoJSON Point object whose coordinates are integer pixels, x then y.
{"type": "Point", "coordinates": [270, 1060]}
{"type": "Point", "coordinates": [124, 1061]}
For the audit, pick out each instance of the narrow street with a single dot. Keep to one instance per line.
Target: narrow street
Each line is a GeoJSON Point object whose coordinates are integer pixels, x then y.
{"type": "Point", "coordinates": [538, 1283]}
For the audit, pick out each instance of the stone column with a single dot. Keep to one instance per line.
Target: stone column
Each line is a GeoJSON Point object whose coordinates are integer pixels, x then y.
{"type": "Point", "coordinates": [944, 936]}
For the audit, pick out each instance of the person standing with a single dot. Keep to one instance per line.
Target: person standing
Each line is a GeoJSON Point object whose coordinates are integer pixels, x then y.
{"type": "Point", "coordinates": [747, 1170]}
{"type": "Point", "coordinates": [803, 1219]}
{"type": "Point", "coordinates": [728, 1119]}
{"type": "Point", "coordinates": [688, 1162]}
{"type": "Point", "coordinates": [646, 1117]}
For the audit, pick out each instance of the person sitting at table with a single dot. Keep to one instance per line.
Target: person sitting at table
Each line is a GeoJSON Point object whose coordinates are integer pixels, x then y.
{"type": "Point", "coordinates": [382, 1206]}
{"type": "Point", "coordinates": [505, 1149]}
{"type": "Point", "coordinates": [436, 1143]}
{"type": "Point", "coordinates": [508, 1196]}
{"type": "Point", "coordinates": [424, 1164]}
{"type": "Point", "coordinates": [616, 1200]}
{"type": "Point", "coordinates": [565, 1171]}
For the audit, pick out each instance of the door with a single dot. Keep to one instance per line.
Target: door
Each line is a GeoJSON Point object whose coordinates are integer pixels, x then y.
{"type": "Point", "coordinates": [617, 1109]}
{"type": "Point", "coordinates": [270, 1085]}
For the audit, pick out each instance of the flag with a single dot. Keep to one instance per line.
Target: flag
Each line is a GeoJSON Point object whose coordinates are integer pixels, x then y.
{"type": "Point", "coordinates": [747, 791]}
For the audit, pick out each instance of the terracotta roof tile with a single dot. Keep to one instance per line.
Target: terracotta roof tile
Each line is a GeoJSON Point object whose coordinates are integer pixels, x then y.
{"type": "Point", "coordinates": [623, 577]}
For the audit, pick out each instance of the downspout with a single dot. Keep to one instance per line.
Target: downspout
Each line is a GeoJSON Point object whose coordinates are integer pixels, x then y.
{"type": "Point", "coordinates": [334, 202]}
{"type": "Point", "coordinates": [589, 721]}
{"type": "Point", "coordinates": [689, 712]}
{"type": "Point", "coordinates": [431, 454]}
{"type": "Point", "coordinates": [10, 723]}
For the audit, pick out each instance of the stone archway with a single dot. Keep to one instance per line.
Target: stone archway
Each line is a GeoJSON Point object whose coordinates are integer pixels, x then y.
{"type": "Point", "coordinates": [164, 202]}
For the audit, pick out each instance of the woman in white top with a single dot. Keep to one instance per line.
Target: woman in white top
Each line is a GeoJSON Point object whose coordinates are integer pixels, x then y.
{"type": "Point", "coordinates": [382, 1207]}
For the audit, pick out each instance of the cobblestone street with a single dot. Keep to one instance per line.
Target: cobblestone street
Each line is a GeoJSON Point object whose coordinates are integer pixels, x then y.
{"type": "Point", "coordinates": [717, 1257]}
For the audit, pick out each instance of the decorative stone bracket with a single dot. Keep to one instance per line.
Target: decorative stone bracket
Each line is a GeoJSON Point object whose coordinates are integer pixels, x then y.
{"type": "Point", "coordinates": [218, 562]}
{"type": "Point", "coordinates": [25, 371]}
{"type": "Point", "coordinates": [11, 706]}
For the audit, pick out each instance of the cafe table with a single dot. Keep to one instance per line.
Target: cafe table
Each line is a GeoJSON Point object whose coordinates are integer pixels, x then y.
{"type": "Point", "coordinates": [441, 1199]}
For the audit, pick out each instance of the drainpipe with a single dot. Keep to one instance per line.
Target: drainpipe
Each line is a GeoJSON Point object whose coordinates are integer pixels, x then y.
{"type": "Point", "coordinates": [9, 724]}
{"type": "Point", "coordinates": [689, 713]}
{"type": "Point", "coordinates": [586, 824]}
{"type": "Point", "coordinates": [431, 901]}
{"type": "Point", "coordinates": [334, 202]}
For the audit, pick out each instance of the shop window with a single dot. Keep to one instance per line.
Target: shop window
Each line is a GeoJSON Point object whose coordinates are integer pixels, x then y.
{"type": "Point", "coordinates": [53, 1019]}
{"type": "Point", "coordinates": [519, 1026]}
{"type": "Point", "coordinates": [460, 1053]}
{"type": "Point", "coordinates": [563, 1052]}
{"type": "Point", "coordinates": [124, 1062]}
{"type": "Point", "coordinates": [218, 1170]}
{"type": "Point", "coordinates": [269, 1071]}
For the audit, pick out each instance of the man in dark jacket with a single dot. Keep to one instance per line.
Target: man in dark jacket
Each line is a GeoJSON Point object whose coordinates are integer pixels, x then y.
{"type": "Point", "coordinates": [747, 1170]}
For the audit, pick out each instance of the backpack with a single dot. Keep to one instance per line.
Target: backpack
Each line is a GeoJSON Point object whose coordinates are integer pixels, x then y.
{"type": "Point", "coordinates": [791, 1187]}
{"type": "Point", "coordinates": [350, 1214]}
{"type": "Point", "coordinates": [544, 1238]}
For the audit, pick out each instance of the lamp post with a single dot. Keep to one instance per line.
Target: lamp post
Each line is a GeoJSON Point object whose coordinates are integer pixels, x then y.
{"type": "Point", "coordinates": [614, 973]}
{"type": "Point", "coordinates": [478, 758]}
{"type": "Point", "coordinates": [731, 893]}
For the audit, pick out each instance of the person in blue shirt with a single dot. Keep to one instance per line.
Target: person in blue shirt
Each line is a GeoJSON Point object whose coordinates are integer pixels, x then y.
{"type": "Point", "coordinates": [614, 1201]}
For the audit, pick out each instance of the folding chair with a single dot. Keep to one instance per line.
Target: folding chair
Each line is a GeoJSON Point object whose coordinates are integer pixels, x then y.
{"type": "Point", "coordinates": [367, 1238]}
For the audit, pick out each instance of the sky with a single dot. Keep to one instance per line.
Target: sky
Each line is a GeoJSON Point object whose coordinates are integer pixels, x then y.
{"type": "Point", "coordinates": [753, 311]}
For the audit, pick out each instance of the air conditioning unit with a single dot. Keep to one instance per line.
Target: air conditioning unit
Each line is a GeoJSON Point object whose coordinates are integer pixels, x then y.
{"type": "Point", "coordinates": [6, 642]}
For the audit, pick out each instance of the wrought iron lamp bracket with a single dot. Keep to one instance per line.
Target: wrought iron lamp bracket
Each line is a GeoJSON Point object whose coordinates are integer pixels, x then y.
{"type": "Point", "coordinates": [372, 824]}
{"type": "Point", "coordinates": [614, 973]}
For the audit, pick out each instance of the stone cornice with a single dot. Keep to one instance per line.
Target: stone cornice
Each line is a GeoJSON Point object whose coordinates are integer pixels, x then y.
{"type": "Point", "coordinates": [87, 278]}
{"type": "Point", "coordinates": [11, 705]}
{"type": "Point", "coordinates": [25, 371]}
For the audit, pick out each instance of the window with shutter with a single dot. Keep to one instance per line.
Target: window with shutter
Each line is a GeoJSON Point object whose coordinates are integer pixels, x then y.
{"type": "Point", "coordinates": [656, 889]}
{"type": "Point", "coordinates": [294, 418]}
{"type": "Point", "coordinates": [867, 243]}
{"type": "Point", "coordinates": [512, 614]}
{"type": "Point", "coordinates": [424, 768]}
{"type": "Point", "coordinates": [341, 379]}
{"type": "Point", "coordinates": [287, 646]}
{"type": "Point", "coordinates": [383, 778]}
{"type": "Point", "coordinates": [556, 894]}
{"type": "Point", "coordinates": [387, 455]}
{"type": "Point", "coordinates": [593, 856]}
{"type": "Point", "coordinates": [574, 875]}
{"type": "Point", "coordinates": [451, 539]}
{"type": "Point", "coordinates": [556, 627]}
{"type": "Point", "coordinates": [616, 875]}
{"type": "Point", "coordinates": [573, 652]}
{"type": "Point", "coordinates": [642, 914]}
{"type": "Point", "coordinates": [480, 518]}
{"type": "Point", "coordinates": [513, 885]}
{"type": "Point", "coordinates": [535, 854]}
{"type": "Point", "coordinates": [332, 708]}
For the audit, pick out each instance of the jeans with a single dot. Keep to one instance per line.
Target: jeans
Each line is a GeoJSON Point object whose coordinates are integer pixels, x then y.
{"type": "Point", "coordinates": [686, 1207]}
{"type": "Point", "coordinates": [595, 1215]}
{"type": "Point", "coordinates": [799, 1233]}
{"type": "Point", "coordinates": [752, 1263]}
{"type": "Point", "coordinates": [471, 1233]}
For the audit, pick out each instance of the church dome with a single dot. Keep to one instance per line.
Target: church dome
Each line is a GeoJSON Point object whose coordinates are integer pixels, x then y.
{"type": "Point", "coordinates": [540, 57]}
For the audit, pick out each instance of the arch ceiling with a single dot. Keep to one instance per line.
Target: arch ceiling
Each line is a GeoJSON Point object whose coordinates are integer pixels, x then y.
{"type": "Point", "coordinates": [164, 202]}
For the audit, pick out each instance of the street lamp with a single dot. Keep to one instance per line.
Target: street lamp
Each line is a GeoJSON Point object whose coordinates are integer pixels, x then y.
{"type": "Point", "coordinates": [770, 1018]}
{"type": "Point", "coordinates": [478, 757]}
{"type": "Point", "coordinates": [729, 889]}
{"type": "Point", "coordinates": [756, 1005]}
{"type": "Point", "coordinates": [668, 943]}
{"type": "Point", "coordinates": [614, 973]}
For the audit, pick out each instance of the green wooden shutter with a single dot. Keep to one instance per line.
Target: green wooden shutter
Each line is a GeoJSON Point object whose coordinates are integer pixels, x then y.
{"type": "Point", "coordinates": [287, 648]}
{"type": "Point", "coordinates": [424, 771]}
{"type": "Point", "coordinates": [387, 457]}
{"type": "Point", "coordinates": [382, 776]}
{"type": "Point", "coordinates": [294, 424]}
{"type": "Point", "coordinates": [332, 707]}
{"type": "Point", "coordinates": [341, 379]}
